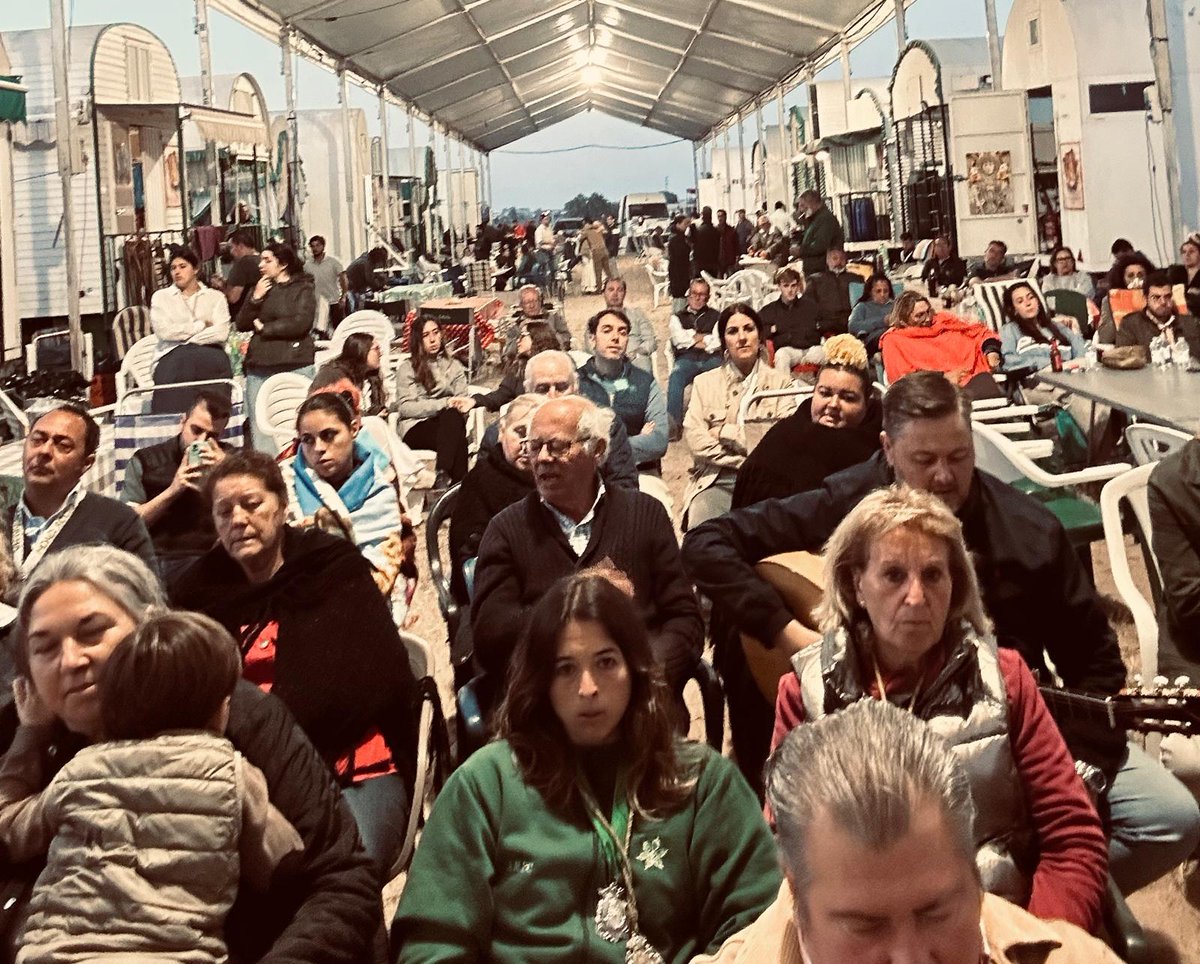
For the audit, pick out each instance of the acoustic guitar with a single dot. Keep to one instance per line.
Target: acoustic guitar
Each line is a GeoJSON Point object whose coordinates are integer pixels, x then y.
{"type": "Point", "coordinates": [797, 577]}
{"type": "Point", "coordinates": [1159, 708]}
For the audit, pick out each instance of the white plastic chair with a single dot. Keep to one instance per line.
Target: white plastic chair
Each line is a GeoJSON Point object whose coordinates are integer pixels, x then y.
{"type": "Point", "coordinates": [1132, 486]}
{"type": "Point", "coordinates": [1149, 443]}
{"type": "Point", "coordinates": [654, 486]}
{"type": "Point", "coordinates": [799, 392]}
{"type": "Point", "coordinates": [431, 746]}
{"type": "Point", "coordinates": [1010, 459]}
{"type": "Point", "coordinates": [659, 282]}
{"type": "Point", "coordinates": [278, 401]}
{"type": "Point", "coordinates": [137, 367]}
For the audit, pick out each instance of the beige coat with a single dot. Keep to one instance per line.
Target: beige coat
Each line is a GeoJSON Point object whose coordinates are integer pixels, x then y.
{"type": "Point", "coordinates": [715, 404]}
{"type": "Point", "coordinates": [1014, 936]}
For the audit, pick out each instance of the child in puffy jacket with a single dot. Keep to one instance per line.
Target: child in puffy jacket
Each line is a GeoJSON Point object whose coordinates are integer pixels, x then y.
{"type": "Point", "coordinates": [148, 833]}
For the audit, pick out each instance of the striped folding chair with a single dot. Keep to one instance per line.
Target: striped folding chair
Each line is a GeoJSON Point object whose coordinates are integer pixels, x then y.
{"type": "Point", "coordinates": [137, 428]}
{"type": "Point", "coordinates": [989, 297]}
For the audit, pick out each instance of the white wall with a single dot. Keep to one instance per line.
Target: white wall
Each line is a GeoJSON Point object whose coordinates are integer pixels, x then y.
{"type": "Point", "coordinates": [1077, 48]}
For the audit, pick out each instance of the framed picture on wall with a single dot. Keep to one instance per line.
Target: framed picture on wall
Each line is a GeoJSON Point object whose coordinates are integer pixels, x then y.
{"type": "Point", "coordinates": [989, 183]}
{"type": "Point", "coordinates": [171, 177]}
{"type": "Point", "coordinates": [1070, 162]}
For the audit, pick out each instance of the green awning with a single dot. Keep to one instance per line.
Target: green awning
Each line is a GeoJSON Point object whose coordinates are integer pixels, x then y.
{"type": "Point", "coordinates": [12, 99]}
{"type": "Point", "coordinates": [872, 135]}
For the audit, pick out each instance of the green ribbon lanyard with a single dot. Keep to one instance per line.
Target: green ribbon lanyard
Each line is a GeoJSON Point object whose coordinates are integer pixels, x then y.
{"type": "Point", "coordinates": [613, 834]}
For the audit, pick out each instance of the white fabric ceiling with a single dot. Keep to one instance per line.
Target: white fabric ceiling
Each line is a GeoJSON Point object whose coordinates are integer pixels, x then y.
{"type": "Point", "coordinates": [498, 70]}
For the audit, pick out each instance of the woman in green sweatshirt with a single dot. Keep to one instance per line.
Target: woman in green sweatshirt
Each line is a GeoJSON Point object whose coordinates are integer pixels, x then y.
{"type": "Point", "coordinates": [588, 832]}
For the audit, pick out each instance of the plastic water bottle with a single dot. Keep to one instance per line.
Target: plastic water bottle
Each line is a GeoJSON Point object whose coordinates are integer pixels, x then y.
{"type": "Point", "coordinates": [1160, 352]}
{"type": "Point", "coordinates": [1092, 358]}
{"type": "Point", "coordinates": [1180, 354]}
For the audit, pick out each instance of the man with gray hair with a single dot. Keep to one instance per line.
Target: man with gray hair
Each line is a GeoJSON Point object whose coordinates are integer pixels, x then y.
{"type": "Point", "coordinates": [531, 307]}
{"type": "Point", "coordinates": [874, 822]}
{"type": "Point", "coordinates": [575, 521]}
{"type": "Point", "coordinates": [553, 374]}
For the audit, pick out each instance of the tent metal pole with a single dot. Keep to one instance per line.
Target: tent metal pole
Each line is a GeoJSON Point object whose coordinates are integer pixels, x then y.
{"type": "Point", "coordinates": [62, 138]}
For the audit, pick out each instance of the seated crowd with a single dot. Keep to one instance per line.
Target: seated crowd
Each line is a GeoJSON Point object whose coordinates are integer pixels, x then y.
{"type": "Point", "coordinates": [206, 670]}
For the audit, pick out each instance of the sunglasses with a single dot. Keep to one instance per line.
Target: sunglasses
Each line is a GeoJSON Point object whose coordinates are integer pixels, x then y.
{"type": "Point", "coordinates": [544, 388]}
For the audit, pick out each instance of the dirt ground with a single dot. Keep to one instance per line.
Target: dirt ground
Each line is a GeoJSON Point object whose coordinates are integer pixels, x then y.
{"type": "Point", "coordinates": [1171, 921]}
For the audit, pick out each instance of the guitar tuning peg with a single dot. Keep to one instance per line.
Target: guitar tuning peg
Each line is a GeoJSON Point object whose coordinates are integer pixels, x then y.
{"type": "Point", "coordinates": [1182, 682]}
{"type": "Point", "coordinates": [1160, 682]}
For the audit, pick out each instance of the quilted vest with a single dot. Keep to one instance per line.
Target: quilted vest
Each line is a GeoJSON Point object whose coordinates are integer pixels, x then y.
{"type": "Point", "coordinates": [701, 322]}
{"type": "Point", "coordinates": [628, 402]}
{"type": "Point", "coordinates": [186, 528]}
{"type": "Point", "coordinates": [145, 858]}
{"type": "Point", "coordinates": [967, 706]}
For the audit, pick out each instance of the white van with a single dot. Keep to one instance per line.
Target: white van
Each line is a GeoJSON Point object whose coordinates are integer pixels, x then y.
{"type": "Point", "coordinates": [652, 208]}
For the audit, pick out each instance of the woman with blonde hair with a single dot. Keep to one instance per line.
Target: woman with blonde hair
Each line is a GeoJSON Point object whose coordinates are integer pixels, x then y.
{"type": "Point", "coordinates": [920, 339]}
{"type": "Point", "coordinates": [903, 621]}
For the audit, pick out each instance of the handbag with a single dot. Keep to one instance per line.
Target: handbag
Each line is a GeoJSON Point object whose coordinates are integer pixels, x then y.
{"type": "Point", "coordinates": [1125, 358]}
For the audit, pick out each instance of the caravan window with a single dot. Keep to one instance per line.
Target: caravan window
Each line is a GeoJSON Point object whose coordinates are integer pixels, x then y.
{"type": "Point", "coordinates": [137, 72]}
{"type": "Point", "coordinates": [1118, 98]}
{"type": "Point", "coordinates": [653, 210]}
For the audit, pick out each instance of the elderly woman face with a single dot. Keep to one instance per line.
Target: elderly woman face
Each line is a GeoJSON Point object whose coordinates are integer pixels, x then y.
{"type": "Point", "coordinates": [249, 519]}
{"type": "Point", "coordinates": [513, 432]}
{"type": "Point", "coordinates": [905, 589]}
{"type": "Point", "coordinates": [73, 629]}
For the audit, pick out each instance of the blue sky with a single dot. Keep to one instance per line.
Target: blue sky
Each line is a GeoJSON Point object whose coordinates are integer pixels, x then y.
{"type": "Point", "coordinates": [545, 180]}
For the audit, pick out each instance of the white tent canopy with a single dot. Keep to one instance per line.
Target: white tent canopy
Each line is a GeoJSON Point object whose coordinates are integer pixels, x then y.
{"type": "Point", "coordinates": [497, 70]}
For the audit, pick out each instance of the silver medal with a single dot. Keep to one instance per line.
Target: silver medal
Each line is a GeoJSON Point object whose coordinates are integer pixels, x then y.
{"type": "Point", "coordinates": [641, 951]}
{"type": "Point", "coordinates": [612, 914]}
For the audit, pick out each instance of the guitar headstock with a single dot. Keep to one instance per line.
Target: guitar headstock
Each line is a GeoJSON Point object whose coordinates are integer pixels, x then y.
{"type": "Point", "coordinates": [1164, 706]}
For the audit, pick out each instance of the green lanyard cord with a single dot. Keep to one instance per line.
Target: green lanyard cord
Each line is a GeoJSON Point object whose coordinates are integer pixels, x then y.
{"type": "Point", "coordinates": [613, 834]}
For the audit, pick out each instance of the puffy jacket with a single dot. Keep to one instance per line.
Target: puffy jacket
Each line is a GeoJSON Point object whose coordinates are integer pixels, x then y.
{"type": "Point", "coordinates": [287, 314]}
{"type": "Point", "coordinates": [146, 854]}
{"type": "Point", "coordinates": [966, 705]}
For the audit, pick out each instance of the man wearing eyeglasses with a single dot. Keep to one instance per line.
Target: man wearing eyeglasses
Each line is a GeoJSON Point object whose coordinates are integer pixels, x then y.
{"type": "Point", "coordinates": [576, 521]}
{"type": "Point", "coordinates": [553, 374]}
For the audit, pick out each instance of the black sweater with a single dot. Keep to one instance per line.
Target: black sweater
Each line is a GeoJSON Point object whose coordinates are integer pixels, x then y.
{"type": "Point", "coordinates": [524, 552]}
{"type": "Point", "coordinates": [340, 665]}
{"type": "Point", "coordinates": [797, 454]}
{"type": "Point", "coordinates": [287, 314]}
{"type": "Point", "coordinates": [491, 486]}
{"type": "Point", "coordinates": [1034, 587]}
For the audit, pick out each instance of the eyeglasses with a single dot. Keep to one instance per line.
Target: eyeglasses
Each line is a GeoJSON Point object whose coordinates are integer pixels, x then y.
{"type": "Point", "coordinates": [544, 388]}
{"type": "Point", "coordinates": [557, 447]}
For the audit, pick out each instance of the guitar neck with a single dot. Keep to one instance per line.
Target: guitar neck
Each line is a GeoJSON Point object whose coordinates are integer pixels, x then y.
{"type": "Point", "coordinates": [1164, 711]}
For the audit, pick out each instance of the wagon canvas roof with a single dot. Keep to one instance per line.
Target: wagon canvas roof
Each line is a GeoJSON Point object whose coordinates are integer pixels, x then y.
{"type": "Point", "coordinates": [497, 70]}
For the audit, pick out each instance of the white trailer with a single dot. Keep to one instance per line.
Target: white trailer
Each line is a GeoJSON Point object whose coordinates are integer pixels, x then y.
{"type": "Point", "coordinates": [1088, 81]}
{"type": "Point", "coordinates": [238, 191]}
{"type": "Point", "coordinates": [334, 190]}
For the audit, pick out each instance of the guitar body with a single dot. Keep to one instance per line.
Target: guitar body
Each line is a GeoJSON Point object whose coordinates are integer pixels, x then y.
{"type": "Point", "coordinates": [798, 578]}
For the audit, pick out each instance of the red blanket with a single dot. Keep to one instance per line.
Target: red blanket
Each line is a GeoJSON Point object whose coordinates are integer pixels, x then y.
{"type": "Point", "coordinates": [950, 344]}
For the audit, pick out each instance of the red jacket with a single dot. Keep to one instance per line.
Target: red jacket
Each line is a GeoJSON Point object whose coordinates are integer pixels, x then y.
{"type": "Point", "coordinates": [1072, 871]}
{"type": "Point", "coordinates": [949, 344]}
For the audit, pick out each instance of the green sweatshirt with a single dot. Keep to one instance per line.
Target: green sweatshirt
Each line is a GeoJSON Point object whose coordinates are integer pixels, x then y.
{"type": "Point", "coordinates": [499, 877]}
